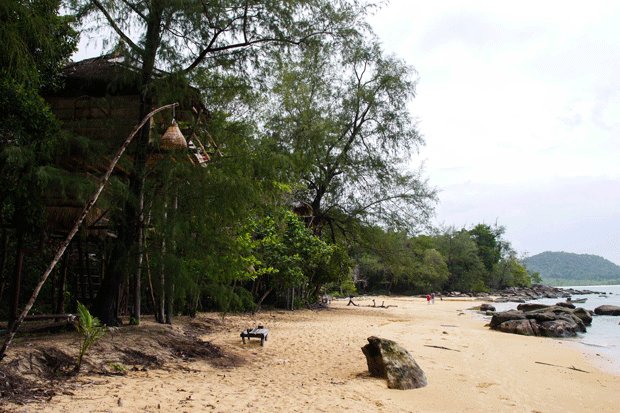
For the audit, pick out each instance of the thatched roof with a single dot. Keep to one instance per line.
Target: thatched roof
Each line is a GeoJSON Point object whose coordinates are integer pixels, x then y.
{"type": "Point", "coordinates": [100, 76]}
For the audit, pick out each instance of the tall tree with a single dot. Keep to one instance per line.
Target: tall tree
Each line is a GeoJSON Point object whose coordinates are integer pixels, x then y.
{"type": "Point", "coordinates": [341, 112]}
{"type": "Point", "coordinates": [181, 36]}
{"type": "Point", "coordinates": [35, 41]}
{"type": "Point", "coordinates": [467, 272]}
{"type": "Point", "coordinates": [489, 244]}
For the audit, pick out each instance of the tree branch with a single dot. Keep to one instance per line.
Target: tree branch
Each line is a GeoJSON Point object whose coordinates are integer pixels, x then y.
{"type": "Point", "coordinates": [134, 9]}
{"type": "Point", "coordinates": [75, 228]}
{"type": "Point", "coordinates": [245, 44]}
{"type": "Point", "coordinates": [117, 29]}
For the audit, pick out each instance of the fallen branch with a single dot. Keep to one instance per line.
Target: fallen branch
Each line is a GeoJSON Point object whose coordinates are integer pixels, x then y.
{"type": "Point", "coordinates": [382, 305]}
{"type": "Point", "coordinates": [75, 228]}
{"type": "Point", "coordinates": [555, 365]}
{"type": "Point", "coordinates": [351, 302]}
{"type": "Point", "coordinates": [441, 347]}
{"type": "Point", "coordinates": [374, 304]}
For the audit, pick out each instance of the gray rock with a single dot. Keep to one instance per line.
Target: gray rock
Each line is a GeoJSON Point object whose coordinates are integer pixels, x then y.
{"type": "Point", "coordinates": [607, 310]}
{"type": "Point", "coordinates": [524, 327]}
{"type": "Point", "coordinates": [501, 317]}
{"type": "Point", "coordinates": [584, 315]}
{"type": "Point", "coordinates": [549, 321]}
{"type": "Point", "coordinates": [559, 328]}
{"type": "Point", "coordinates": [387, 359]}
{"type": "Point", "coordinates": [531, 306]}
{"type": "Point", "coordinates": [565, 304]}
{"type": "Point", "coordinates": [486, 307]}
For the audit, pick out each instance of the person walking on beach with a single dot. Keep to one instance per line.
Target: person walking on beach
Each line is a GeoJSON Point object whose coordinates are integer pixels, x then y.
{"type": "Point", "coordinates": [428, 298]}
{"type": "Point", "coordinates": [433, 298]}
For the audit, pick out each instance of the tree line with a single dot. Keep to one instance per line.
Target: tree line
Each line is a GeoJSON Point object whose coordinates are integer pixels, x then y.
{"type": "Point", "coordinates": [309, 188]}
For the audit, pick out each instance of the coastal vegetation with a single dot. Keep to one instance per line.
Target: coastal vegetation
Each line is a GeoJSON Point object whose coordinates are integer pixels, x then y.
{"type": "Point", "coordinates": [565, 268]}
{"type": "Point", "coordinates": [306, 184]}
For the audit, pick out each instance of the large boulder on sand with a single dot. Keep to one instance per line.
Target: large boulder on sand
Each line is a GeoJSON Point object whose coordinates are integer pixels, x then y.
{"type": "Point", "coordinates": [607, 310]}
{"type": "Point", "coordinates": [387, 359]}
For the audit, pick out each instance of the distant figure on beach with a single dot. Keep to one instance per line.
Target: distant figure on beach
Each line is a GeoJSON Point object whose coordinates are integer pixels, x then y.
{"type": "Point", "coordinates": [428, 298]}
{"type": "Point", "coordinates": [433, 298]}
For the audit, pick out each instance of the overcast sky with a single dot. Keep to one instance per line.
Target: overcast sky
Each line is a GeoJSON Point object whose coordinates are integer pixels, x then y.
{"type": "Point", "coordinates": [519, 104]}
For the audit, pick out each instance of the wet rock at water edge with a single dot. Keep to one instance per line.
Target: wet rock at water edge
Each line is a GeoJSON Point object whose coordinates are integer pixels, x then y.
{"type": "Point", "coordinates": [607, 310]}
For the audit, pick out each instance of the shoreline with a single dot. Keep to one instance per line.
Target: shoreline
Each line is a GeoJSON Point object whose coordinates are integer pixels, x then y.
{"type": "Point", "coordinates": [312, 361]}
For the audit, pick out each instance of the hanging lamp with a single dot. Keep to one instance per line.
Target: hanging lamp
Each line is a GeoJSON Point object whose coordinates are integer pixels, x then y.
{"type": "Point", "coordinates": [172, 139]}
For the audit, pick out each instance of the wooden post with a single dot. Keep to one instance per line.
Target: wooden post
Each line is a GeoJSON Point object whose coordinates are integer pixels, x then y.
{"type": "Point", "coordinates": [74, 230]}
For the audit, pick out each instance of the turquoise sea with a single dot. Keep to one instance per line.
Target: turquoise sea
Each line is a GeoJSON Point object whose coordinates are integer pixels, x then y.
{"type": "Point", "coordinates": [603, 336]}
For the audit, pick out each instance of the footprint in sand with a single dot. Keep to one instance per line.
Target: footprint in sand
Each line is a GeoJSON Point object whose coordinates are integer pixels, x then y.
{"type": "Point", "coordinates": [485, 385]}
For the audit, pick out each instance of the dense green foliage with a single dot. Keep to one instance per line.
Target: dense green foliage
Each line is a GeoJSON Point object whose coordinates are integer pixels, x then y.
{"type": "Point", "coordinates": [445, 261]}
{"type": "Point", "coordinates": [35, 42]}
{"type": "Point", "coordinates": [564, 268]}
{"type": "Point", "coordinates": [309, 188]}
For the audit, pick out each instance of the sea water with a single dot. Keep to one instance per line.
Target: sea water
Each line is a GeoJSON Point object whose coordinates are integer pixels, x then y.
{"type": "Point", "coordinates": [603, 336]}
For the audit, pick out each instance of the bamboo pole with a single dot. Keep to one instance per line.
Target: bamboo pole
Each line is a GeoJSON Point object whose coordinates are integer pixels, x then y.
{"type": "Point", "coordinates": [76, 227]}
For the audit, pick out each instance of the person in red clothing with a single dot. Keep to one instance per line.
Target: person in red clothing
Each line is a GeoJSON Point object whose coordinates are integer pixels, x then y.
{"type": "Point", "coordinates": [428, 298]}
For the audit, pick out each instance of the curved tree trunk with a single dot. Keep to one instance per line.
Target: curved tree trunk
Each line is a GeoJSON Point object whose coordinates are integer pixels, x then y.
{"type": "Point", "coordinates": [74, 230]}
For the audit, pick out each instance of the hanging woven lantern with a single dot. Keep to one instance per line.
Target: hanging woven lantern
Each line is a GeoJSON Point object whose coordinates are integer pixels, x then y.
{"type": "Point", "coordinates": [172, 139]}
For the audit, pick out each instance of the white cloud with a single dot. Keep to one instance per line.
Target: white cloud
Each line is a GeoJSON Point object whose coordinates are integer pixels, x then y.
{"type": "Point", "coordinates": [520, 107]}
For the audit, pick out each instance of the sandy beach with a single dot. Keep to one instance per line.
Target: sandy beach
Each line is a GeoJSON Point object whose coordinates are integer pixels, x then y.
{"type": "Point", "coordinates": [312, 362]}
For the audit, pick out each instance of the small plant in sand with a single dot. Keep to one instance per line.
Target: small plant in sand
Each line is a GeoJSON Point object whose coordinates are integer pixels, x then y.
{"type": "Point", "coordinates": [118, 368]}
{"type": "Point", "coordinates": [91, 330]}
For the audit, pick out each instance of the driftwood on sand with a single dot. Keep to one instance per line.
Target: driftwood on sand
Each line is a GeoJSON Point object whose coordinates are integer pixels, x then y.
{"type": "Point", "coordinates": [374, 304]}
{"type": "Point", "coordinates": [555, 365]}
{"type": "Point", "coordinates": [441, 347]}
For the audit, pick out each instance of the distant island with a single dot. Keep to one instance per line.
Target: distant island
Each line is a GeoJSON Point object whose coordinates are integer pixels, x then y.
{"type": "Point", "coordinates": [565, 268]}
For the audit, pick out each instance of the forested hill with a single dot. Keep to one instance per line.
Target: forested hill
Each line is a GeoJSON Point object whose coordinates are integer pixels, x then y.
{"type": "Point", "coordinates": [564, 268]}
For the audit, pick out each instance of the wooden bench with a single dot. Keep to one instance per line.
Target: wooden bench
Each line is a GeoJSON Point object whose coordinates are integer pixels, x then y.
{"type": "Point", "coordinates": [259, 332]}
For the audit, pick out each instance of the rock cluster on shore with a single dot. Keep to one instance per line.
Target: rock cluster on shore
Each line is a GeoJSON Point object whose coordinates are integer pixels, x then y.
{"type": "Point", "coordinates": [542, 320]}
{"type": "Point", "coordinates": [523, 294]}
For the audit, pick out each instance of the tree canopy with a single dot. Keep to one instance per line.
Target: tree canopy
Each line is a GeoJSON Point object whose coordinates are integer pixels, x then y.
{"type": "Point", "coordinates": [341, 113]}
{"type": "Point", "coordinates": [311, 184]}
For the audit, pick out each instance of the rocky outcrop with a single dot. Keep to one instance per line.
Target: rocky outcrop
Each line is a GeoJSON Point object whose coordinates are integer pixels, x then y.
{"type": "Point", "coordinates": [387, 359]}
{"type": "Point", "coordinates": [541, 320]}
{"type": "Point", "coordinates": [607, 310]}
{"type": "Point", "coordinates": [523, 294]}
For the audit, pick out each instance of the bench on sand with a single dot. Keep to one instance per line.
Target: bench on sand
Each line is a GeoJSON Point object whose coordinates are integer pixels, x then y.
{"type": "Point", "coordinates": [258, 332]}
